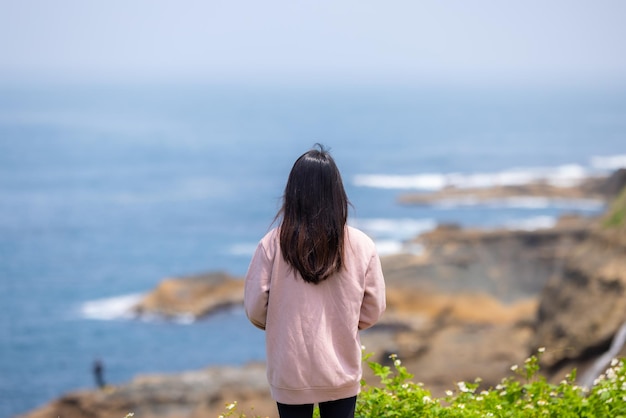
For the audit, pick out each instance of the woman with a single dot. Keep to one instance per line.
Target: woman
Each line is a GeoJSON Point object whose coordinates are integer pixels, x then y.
{"type": "Point", "coordinates": [312, 284]}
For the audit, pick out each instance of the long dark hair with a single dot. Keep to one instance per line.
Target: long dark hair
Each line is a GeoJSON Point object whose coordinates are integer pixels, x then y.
{"type": "Point", "coordinates": [314, 215]}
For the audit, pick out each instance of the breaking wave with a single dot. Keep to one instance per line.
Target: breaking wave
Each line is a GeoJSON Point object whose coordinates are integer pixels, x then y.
{"type": "Point", "coordinates": [107, 309]}
{"type": "Point", "coordinates": [523, 202]}
{"type": "Point", "coordinates": [392, 236]}
{"type": "Point", "coordinates": [243, 249]}
{"type": "Point", "coordinates": [562, 175]}
{"type": "Point", "coordinates": [612, 162]}
{"type": "Point", "coordinates": [566, 175]}
{"type": "Point", "coordinates": [399, 228]}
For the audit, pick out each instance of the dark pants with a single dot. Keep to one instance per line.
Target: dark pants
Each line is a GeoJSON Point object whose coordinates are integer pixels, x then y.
{"type": "Point", "coordinates": [341, 408]}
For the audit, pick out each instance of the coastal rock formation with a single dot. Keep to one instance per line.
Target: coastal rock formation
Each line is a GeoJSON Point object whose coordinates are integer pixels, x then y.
{"type": "Point", "coordinates": [583, 308]}
{"type": "Point", "coordinates": [451, 337]}
{"type": "Point", "coordinates": [470, 304]}
{"type": "Point", "coordinates": [509, 265]}
{"type": "Point", "coordinates": [589, 189]}
{"type": "Point", "coordinates": [465, 306]}
{"type": "Point", "coordinates": [470, 272]}
{"type": "Point", "coordinates": [194, 296]}
{"type": "Point", "coordinates": [194, 394]}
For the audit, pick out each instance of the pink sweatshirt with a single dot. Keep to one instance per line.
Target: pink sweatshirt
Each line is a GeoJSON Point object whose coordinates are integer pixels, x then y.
{"type": "Point", "coordinates": [312, 341]}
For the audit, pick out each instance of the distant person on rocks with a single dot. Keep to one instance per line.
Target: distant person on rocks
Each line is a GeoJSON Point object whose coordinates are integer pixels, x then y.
{"type": "Point", "coordinates": [312, 284]}
{"type": "Point", "coordinates": [98, 373]}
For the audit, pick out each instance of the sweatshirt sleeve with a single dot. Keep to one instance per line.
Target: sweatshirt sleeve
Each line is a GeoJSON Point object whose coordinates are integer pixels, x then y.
{"type": "Point", "coordinates": [257, 288]}
{"type": "Point", "coordinates": [374, 301]}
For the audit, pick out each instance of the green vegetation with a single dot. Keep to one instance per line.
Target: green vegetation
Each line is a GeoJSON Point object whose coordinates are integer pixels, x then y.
{"type": "Point", "coordinates": [527, 394]}
{"type": "Point", "coordinates": [616, 216]}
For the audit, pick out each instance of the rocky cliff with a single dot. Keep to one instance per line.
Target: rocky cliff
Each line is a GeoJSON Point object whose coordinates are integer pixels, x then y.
{"type": "Point", "coordinates": [468, 301]}
{"type": "Point", "coordinates": [194, 394]}
{"type": "Point", "coordinates": [583, 307]}
{"type": "Point", "coordinates": [194, 296]}
{"type": "Point", "coordinates": [471, 303]}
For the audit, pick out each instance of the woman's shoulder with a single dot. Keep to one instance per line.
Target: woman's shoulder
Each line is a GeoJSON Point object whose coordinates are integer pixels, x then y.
{"type": "Point", "coordinates": [271, 234]}
{"type": "Point", "coordinates": [356, 237]}
{"type": "Point", "coordinates": [269, 244]}
{"type": "Point", "coordinates": [270, 238]}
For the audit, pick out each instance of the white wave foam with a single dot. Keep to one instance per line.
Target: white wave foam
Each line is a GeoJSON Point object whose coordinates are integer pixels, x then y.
{"type": "Point", "coordinates": [242, 249]}
{"type": "Point", "coordinates": [392, 236]}
{"type": "Point", "coordinates": [387, 181]}
{"type": "Point", "coordinates": [184, 319]}
{"type": "Point", "coordinates": [531, 224]}
{"type": "Point", "coordinates": [403, 227]}
{"type": "Point", "coordinates": [387, 247]}
{"type": "Point", "coordinates": [524, 202]}
{"type": "Point", "coordinates": [612, 162]}
{"type": "Point", "coordinates": [564, 175]}
{"type": "Point", "coordinates": [119, 307]}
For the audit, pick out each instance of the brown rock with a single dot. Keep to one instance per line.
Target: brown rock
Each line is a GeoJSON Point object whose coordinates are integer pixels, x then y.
{"type": "Point", "coordinates": [457, 337]}
{"type": "Point", "coordinates": [196, 295]}
{"type": "Point", "coordinates": [583, 307]}
{"type": "Point", "coordinates": [464, 352]}
{"type": "Point", "coordinates": [509, 265]}
{"type": "Point", "coordinates": [427, 307]}
{"type": "Point", "coordinates": [184, 395]}
{"type": "Point", "coordinates": [463, 308]}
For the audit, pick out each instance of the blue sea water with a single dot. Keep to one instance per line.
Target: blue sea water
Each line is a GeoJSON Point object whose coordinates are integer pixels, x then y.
{"type": "Point", "coordinates": [106, 190]}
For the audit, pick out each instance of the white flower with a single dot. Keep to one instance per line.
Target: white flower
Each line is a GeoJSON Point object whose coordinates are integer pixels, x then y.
{"type": "Point", "coordinates": [427, 399]}
{"type": "Point", "coordinates": [449, 393]}
{"type": "Point", "coordinates": [614, 362]}
{"type": "Point", "coordinates": [498, 407]}
{"type": "Point", "coordinates": [231, 406]}
{"type": "Point", "coordinates": [362, 347]}
{"type": "Point", "coordinates": [462, 387]}
{"type": "Point", "coordinates": [397, 363]}
{"type": "Point", "coordinates": [541, 350]}
{"type": "Point", "coordinates": [514, 367]}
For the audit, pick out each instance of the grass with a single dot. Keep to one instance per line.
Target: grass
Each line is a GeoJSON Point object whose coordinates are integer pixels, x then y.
{"type": "Point", "coordinates": [616, 215]}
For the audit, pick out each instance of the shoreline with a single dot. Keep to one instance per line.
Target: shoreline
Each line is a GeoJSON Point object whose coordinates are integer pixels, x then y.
{"type": "Point", "coordinates": [471, 304]}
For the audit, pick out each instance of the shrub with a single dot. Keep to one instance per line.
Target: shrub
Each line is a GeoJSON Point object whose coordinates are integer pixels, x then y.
{"type": "Point", "coordinates": [526, 394]}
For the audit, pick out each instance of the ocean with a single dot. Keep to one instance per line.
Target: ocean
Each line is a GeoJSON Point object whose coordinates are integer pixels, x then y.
{"type": "Point", "coordinates": [107, 189]}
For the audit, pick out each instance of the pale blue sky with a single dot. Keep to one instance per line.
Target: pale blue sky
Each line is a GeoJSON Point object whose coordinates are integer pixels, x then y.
{"type": "Point", "coordinates": [314, 41]}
